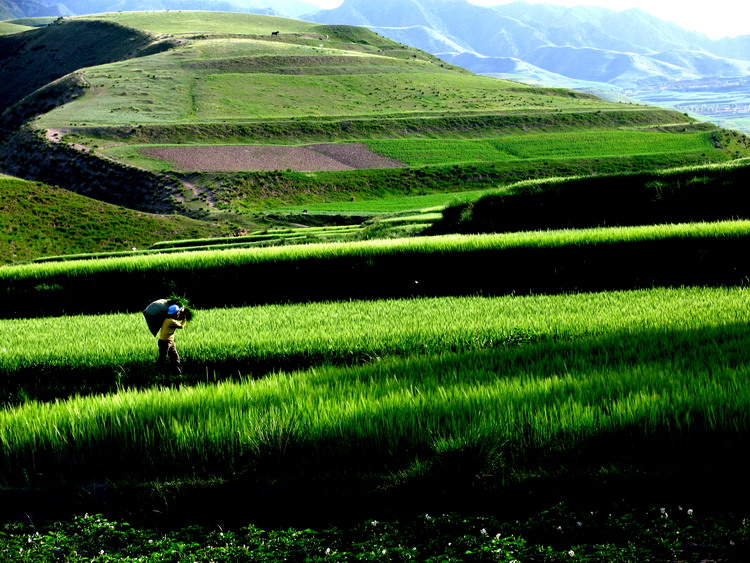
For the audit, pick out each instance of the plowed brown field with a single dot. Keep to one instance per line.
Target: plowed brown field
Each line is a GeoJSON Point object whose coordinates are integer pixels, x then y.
{"type": "Point", "coordinates": [234, 158]}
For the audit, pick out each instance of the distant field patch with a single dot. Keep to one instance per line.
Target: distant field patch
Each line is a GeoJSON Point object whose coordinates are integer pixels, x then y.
{"type": "Point", "coordinates": [233, 158]}
{"type": "Point", "coordinates": [585, 144]}
{"type": "Point", "coordinates": [7, 28]}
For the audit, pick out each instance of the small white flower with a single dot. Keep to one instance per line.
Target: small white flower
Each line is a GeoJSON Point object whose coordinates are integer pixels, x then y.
{"type": "Point", "coordinates": [662, 510]}
{"type": "Point", "coordinates": [731, 542]}
{"type": "Point", "coordinates": [328, 551]}
{"type": "Point", "coordinates": [572, 553]}
{"type": "Point", "coordinates": [383, 552]}
{"type": "Point", "coordinates": [374, 523]}
{"type": "Point", "coordinates": [579, 524]}
{"type": "Point", "coordinates": [690, 511]}
{"type": "Point", "coordinates": [483, 531]}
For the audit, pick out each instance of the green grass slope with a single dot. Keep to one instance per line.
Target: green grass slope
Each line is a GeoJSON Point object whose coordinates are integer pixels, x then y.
{"type": "Point", "coordinates": [232, 70]}
{"type": "Point", "coordinates": [34, 58]}
{"type": "Point", "coordinates": [307, 72]}
{"type": "Point", "coordinates": [700, 193]}
{"type": "Point", "coordinates": [38, 220]}
{"type": "Point", "coordinates": [198, 78]}
{"type": "Point", "coordinates": [7, 28]}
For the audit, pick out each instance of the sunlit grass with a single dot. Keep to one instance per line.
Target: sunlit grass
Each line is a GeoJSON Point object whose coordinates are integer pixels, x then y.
{"type": "Point", "coordinates": [438, 244]}
{"type": "Point", "coordinates": [317, 333]}
{"type": "Point", "coordinates": [548, 145]}
{"type": "Point", "coordinates": [649, 365]}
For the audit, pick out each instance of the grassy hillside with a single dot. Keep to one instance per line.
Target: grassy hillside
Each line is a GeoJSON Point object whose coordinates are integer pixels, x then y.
{"type": "Point", "coordinates": [34, 58]}
{"type": "Point", "coordinates": [180, 81]}
{"type": "Point", "coordinates": [34, 22]}
{"type": "Point", "coordinates": [6, 28]}
{"type": "Point", "coordinates": [699, 193]}
{"type": "Point", "coordinates": [38, 220]}
{"type": "Point", "coordinates": [252, 77]}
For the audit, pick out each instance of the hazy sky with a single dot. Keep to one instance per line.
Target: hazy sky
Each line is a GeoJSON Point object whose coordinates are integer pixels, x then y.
{"type": "Point", "coordinates": [715, 18]}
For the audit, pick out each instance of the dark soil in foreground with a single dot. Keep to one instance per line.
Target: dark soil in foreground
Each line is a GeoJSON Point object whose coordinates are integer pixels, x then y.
{"type": "Point", "coordinates": [235, 158]}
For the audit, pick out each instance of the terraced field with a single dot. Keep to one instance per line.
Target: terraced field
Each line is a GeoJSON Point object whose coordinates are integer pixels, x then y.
{"type": "Point", "coordinates": [233, 98]}
{"type": "Point", "coordinates": [227, 158]}
{"type": "Point", "coordinates": [580, 377]}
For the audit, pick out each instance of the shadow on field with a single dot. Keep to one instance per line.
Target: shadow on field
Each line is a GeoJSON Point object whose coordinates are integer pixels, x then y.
{"type": "Point", "coordinates": [701, 471]}
{"type": "Point", "coordinates": [520, 270]}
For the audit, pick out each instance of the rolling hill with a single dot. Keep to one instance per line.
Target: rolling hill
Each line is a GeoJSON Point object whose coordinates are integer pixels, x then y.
{"type": "Point", "coordinates": [227, 117]}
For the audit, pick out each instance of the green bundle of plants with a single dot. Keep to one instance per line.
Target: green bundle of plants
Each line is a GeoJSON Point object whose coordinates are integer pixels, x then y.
{"type": "Point", "coordinates": [187, 310]}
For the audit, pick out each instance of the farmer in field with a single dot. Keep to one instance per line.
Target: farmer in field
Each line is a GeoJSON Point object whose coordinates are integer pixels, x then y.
{"type": "Point", "coordinates": [175, 319]}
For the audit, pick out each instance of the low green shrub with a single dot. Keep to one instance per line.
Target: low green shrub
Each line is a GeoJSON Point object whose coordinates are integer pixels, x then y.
{"type": "Point", "coordinates": [559, 534]}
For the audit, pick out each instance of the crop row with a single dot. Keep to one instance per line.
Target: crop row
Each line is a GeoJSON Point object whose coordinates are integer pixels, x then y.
{"type": "Point", "coordinates": [420, 152]}
{"type": "Point", "coordinates": [550, 261]}
{"type": "Point", "coordinates": [52, 357]}
{"type": "Point", "coordinates": [628, 394]}
{"type": "Point", "coordinates": [264, 238]}
{"type": "Point", "coordinates": [255, 237]}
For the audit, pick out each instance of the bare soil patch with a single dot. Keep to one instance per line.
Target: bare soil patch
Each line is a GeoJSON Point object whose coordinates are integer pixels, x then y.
{"type": "Point", "coordinates": [237, 158]}
{"type": "Point", "coordinates": [56, 136]}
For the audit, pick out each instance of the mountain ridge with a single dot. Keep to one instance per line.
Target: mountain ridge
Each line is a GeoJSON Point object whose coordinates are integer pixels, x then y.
{"type": "Point", "coordinates": [629, 52]}
{"type": "Point", "coordinates": [518, 29]}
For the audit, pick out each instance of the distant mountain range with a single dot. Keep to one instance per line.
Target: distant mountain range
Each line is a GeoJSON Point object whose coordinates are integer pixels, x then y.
{"type": "Point", "coordinates": [626, 49]}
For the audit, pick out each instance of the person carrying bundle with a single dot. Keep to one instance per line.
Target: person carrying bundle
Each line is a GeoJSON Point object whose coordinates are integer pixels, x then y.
{"type": "Point", "coordinates": [167, 350]}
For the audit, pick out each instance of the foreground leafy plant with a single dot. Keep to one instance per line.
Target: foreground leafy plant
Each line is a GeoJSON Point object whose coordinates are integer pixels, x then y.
{"type": "Point", "coordinates": [558, 534]}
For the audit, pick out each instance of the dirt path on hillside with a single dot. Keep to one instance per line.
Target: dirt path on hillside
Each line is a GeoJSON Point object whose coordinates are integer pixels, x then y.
{"type": "Point", "coordinates": [197, 191]}
{"type": "Point", "coordinates": [237, 158]}
{"type": "Point", "coordinates": [56, 136]}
